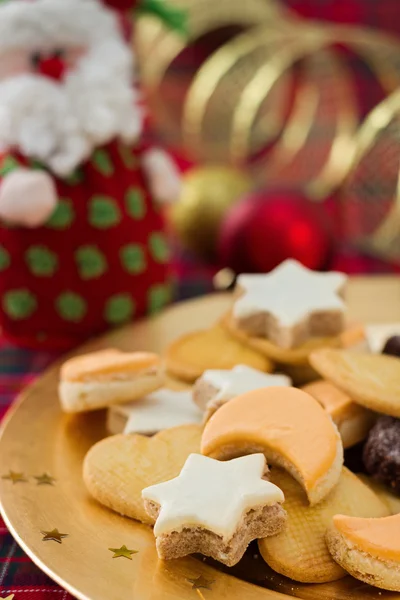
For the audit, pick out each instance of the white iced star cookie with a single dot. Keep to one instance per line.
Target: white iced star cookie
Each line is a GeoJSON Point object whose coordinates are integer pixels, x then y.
{"type": "Point", "coordinates": [215, 508]}
{"type": "Point", "coordinates": [291, 304]}
{"type": "Point", "coordinates": [216, 387]}
{"type": "Point", "coordinates": [158, 411]}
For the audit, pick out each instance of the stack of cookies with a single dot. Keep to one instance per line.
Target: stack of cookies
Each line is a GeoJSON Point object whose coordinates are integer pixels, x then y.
{"type": "Point", "coordinates": [243, 455]}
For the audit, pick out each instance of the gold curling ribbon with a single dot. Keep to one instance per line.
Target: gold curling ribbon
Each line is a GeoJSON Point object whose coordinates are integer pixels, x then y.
{"type": "Point", "coordinates": [254, 115]}
{"type": "Point", "coordinates": [211, 101]}
{"type": "Point", "coordinates": [378, 138]}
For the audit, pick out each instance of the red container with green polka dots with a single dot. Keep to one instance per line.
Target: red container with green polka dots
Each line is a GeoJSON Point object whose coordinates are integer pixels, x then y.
{"type": "Point", "coordinates": [100, 260]}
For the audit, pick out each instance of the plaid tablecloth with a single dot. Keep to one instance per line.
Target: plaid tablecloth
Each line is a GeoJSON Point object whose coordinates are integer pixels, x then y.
{"type": "Point", "coordinates": [18, 574]}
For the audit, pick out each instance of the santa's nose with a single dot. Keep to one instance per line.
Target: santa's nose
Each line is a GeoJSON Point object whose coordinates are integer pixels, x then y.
{"type": "Point", "coordinates": [53, 67]}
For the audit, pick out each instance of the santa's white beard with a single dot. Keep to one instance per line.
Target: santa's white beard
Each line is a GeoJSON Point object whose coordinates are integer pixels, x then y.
{"type": "Point", "coordinates": [60, 124]}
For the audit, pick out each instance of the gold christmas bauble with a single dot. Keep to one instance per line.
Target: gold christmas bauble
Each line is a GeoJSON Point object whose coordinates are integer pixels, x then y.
{"type": "Point", "coordinates": [207, 194]}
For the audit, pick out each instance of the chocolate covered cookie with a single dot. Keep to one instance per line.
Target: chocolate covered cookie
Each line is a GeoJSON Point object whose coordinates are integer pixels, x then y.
{"type": "Point", "coordinates": [382, 452]}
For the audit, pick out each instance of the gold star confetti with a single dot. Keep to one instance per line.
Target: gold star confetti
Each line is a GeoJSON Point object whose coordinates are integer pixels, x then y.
{"type": "Point", "coordinates": [201, 582]}
{"type": "Point", "coordinates": [15, 477]}
{"type": "Point", "coordinates": [123, 552]}
{"type": "Point", "coordinates": [10, 597]}
{"type": "Point", "coordinates": [45, 479]}
{"type": "Point", "coordinates": [54, 536]}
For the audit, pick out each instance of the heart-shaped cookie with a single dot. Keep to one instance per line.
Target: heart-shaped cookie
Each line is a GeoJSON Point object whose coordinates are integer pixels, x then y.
{"type": "Point", "coordinates": [118, 468]}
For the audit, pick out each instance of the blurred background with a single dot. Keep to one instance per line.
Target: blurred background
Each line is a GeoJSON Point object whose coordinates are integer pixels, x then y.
{"type": "Point", "coordinates": [284, 117]}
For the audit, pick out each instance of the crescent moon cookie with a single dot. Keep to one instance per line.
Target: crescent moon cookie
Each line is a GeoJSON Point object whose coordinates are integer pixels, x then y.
{"type": "Point", "coordinates": [214, 388]}
{"type": "Point", "coordinates": [291, 304]}
{"type": "Point", "coordinates": [289, 427]}
{"type": "Point", "coordinates": [160, 410]}
{"type": "Point", "coordinates": [368, 549]}
{"type": "Point", "coordinates": [215, 508]}
{"type": "Point", "coordinates": [108, 377]}
{"type": "Point", "coordinates": [352, 420]}
{"type": "Point", "coordinates": [300, 550]}
{"type": "Point", "coordinates": [189, 356]}
{"type": "Point", "coordinates": [372, 380]}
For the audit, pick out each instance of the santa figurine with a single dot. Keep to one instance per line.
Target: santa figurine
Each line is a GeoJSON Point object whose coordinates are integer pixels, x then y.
{"type": "Point", "coordinates": [82, 246]}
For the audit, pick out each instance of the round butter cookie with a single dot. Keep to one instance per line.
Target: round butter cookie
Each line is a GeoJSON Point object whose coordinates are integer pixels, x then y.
{"type": "Point", "coordinates": [189, 356]}
{"type": "Point", "coordinates": [372, 380]}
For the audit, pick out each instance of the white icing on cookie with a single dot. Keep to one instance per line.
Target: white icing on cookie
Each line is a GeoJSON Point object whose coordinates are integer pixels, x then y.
{"type": "Point", "coordinates": [160, 410]}
{"type": "Point", "coordinates": [212, 494]}
{"type": "Point", "coordinates": [378, 335]}
{"type": "Point", "coordinates": [290, 293]}
{"type": "Point", "coordinates": [241, 379]}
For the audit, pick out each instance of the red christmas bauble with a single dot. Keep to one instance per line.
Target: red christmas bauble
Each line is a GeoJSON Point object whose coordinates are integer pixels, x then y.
{"type": "Point", "coordinates": [267, 227]}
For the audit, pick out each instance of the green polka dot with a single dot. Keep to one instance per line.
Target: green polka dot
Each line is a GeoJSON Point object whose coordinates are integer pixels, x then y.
{"type": "Point", "coordinates": [71, 307]}
{"type": "Point", "coordinates": [102, 162]}
{"type": "Point", "coordinates": [63, 215]}
{"type": "Point", "coordinates": [5, 259]}
{"type": "Point", "coordinates": [159, 248]}
{"type": "Point", "coordinates": [135, 203]}
{"type": "Point", "coordinates": [127, 156]}
{"type": "Point", "coordinates": [91, 262]}
{"type": "Point", "coordinates": [103, 212]}
{"type": "Point", "coordinates": [133, 259]}
{"type": "Point", "coordinates": [158, 297]}
{"type": "Point", "coordinates": [8, 165]}
{"type": "Point", "coordinates": [19, 304]}
{"type": "Point", "coordinates": [41, 261]}
{"type": "Point", "coordinates": [119, 309]}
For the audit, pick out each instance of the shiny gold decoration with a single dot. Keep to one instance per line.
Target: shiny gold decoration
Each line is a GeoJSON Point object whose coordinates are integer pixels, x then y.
{"type": "Point", "coordinates": [157, 47]}
{"type": "Point", "coordinates": [123, 552]}
{"type": "Point", "coordinates": [53, 536]}
{"type": "Point", "coordinates": [371, 197]}
{"type": "Point", "coordinates": [239, 106]}
{"type": "Point", "coordinates": [45, 479]}
{"type": "Point", "coordinates": [15, 477]}
{"type": "Point", "coordinates": [207, 194]}
{"type": "Point", "coordinates": [201, 582]}
{"type": "Point", "coordinates": [10, 597]}
{"type": "Point", "coordinates": [67, 438]}
{"type": "Point", "coordinates": [217, 87]}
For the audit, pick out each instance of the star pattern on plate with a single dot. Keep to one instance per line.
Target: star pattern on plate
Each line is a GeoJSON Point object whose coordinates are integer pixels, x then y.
{"type": "Point", "coordinates": [212, 494]}
{"type": "Point", "coordinates": [201, 583]}
{"type": "Point", "coordinates": [160, 410]}
{"type": "Point", "coordinates": [53, 536]}
{"type": "Point", "coordinates": [290, 293]}
{"type": "Point", "coordinates": [123, 552]}
{"type": "Point", "coordinates": [44, 479]}
{"type": "Point", "coordinates": [15, 477]}
{"type": "Point", "coordinates": [240, 380]}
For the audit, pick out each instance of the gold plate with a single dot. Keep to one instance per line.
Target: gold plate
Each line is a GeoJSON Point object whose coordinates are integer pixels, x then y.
{"type": "Point", "coordinates": [37, 438]}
